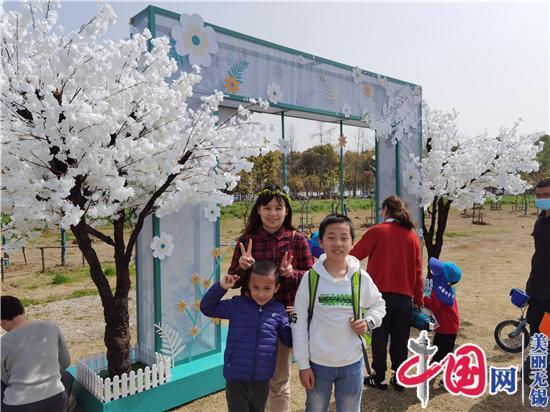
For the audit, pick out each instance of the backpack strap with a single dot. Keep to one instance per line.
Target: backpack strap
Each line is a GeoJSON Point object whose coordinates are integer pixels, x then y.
{"type": "Point", "coordinates": [356, 303]}
{"type": "Point", "coordinates": [356, 294]}
{"type": "Point", "coordinates": [313, 282]}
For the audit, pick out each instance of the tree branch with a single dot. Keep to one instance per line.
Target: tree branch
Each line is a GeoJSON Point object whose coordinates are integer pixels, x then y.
{"type": "Point", "coordinates": [101, 236]}
{"type": "Point", "coordinates": [149, 206]}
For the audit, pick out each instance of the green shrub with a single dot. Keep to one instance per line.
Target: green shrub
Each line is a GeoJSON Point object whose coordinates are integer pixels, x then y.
{"type": "Point", "coordinates": [26, 302]}
{"type": "Point", "coordinates": [84, 292]}
{"type": "Point", "coordinates": [60, 279]}
{"type": "Point", "coordinates": [109, 271]}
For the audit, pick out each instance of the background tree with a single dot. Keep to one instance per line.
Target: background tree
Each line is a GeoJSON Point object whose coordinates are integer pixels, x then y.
{"type": "Point", "coordinates": [458, 170]}
{"type": "Point", "coordinates": [266, 170]}
{"type": "Point", "coordinates": [359, 170]}
{"type": "Point", "coordinates": [95, 132]}
{"type": "Point", "coordinates": [543, 158]}
{"type": "Point", "coordinates": [321, 162]}
{"type": "Point", "coordinates": [324, 135]}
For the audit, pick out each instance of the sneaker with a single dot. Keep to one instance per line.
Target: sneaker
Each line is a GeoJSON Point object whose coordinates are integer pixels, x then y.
{"type": "Point", "coordinates": [375, 383]}
{"type": "Point", "coordinates": [395, 384]}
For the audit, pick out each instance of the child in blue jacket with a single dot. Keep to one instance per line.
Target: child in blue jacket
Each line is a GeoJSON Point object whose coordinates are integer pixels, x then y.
{"type": "Point", "coordinates": [256, 322]}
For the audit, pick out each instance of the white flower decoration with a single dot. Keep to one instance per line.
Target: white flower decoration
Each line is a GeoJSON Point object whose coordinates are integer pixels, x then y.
{"type": "Point", "coordinates": [284, 146]}
{"type": "Point", "coordinates": [286, 189]}
{"type": "Point", "coordinates": [162, 246]}
{"type": "Point", "coordinates": [302, 59]}
{"type": "Point", "coordinates": [274, 93]}
{"type": "Point", "coordinates": [212, 213]}
{"type": "Point", "coordinates": [357, 75]}
{"type": "Point", "coordinates": [346, 110]}
{"type": "Point", "coordinates": [365, 117]}
{"type": "Point", "coordinates": [381, 80]}
{"type": "Point", "coordinates": [195, 40]}
{"type": "Point", "coordinates": [411, 177]}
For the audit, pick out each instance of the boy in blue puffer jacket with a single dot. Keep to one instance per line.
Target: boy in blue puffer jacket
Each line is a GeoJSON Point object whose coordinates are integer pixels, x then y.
{"type": "Point", "coordinates": [256, 322]}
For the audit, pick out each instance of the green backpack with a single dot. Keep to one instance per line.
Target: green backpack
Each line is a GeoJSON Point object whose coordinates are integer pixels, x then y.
{"type": "Point", "coordinates": [313, 283]}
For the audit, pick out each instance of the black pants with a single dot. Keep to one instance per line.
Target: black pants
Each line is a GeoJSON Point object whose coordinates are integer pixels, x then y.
{"type": "Point", "coordinates": [246, 396]}
{"type": "Point", "coordinates": [57, 403]}
{"type": "Point", "coordinates": [445, 344]}
{"type": "Point", "coordinates": [396, 325]}
{"type": "Point", "coordinates": [535, 313]}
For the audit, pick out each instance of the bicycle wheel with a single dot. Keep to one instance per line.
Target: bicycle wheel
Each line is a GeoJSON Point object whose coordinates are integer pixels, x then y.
{"type": "Point", "coordinates": [505, 341]}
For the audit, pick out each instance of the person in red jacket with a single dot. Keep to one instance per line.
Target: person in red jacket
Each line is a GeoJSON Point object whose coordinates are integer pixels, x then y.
{"type": "Point", "coordinates": [442, 303]}
{"type": "Point", "coordinates": [395, 266]}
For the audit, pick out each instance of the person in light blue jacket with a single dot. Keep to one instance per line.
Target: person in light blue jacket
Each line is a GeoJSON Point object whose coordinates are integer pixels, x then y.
{"type": "Point", "coordinates": [256, 323]}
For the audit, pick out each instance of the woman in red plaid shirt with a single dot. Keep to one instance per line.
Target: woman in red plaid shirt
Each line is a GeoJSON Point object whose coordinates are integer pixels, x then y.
{"type": "Point", "coordinates": [269, 234]}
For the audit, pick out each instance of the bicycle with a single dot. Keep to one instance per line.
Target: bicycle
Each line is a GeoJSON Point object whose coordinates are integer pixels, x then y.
{"type": "Point", "coordinates": [508, 333]}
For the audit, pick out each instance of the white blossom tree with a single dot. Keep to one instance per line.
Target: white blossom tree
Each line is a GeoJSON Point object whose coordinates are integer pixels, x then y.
{"type": "Point", "coordinates": [458, 170]}
{"type": "Point", "coordinates": [95, 131]}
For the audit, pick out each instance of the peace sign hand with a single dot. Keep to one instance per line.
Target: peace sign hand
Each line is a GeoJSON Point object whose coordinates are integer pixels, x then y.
{"type": "Point", "coordinates": [228, 281]}
{"type": "Point", "coordinates": [286, 266]}
{"type": "Point", "coordinates": [246, 260]}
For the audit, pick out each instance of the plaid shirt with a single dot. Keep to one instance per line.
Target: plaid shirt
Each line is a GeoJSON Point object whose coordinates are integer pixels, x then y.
{"type": "Point", "coordinates": [272, 247]}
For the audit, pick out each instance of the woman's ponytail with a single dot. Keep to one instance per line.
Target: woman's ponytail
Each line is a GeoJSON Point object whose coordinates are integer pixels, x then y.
{"type": "Point", "coordinates": [397, 210]}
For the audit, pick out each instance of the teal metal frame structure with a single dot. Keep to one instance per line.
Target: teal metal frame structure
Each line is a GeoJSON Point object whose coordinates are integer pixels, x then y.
{"type": "Point", "coordinates": [197, 376]}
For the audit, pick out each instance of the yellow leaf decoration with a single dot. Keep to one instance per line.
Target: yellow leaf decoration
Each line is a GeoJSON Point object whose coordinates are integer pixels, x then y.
{"type": "Point", "coordinates": [231, 85]}
{"type": "Point", "coordinates": [367, 89]}
{"type": "Point", "coordinates": [342, 140]}
{"type": "Point", "coordinates": [194, 331]}
{"type": "Point", "coordinates": [196, 279]}
{"type": "Point", "coordinates": [216, 321]}
{"type": "Point", "coordinates": [182, 305]}
{"type": "Point", "coordinates": [197, 305]}
{"type": "Point", "coordinates": [206, 283]}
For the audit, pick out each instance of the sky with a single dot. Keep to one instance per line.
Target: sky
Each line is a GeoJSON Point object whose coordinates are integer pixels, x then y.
{"type": "Point", "coordinates": [488, 60]}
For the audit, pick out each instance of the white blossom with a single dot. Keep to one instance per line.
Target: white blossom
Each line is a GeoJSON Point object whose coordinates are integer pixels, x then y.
{"type": "Point", "coordinates": [94, 128]}
{"type": "Point", "coordinates": [467, 170]}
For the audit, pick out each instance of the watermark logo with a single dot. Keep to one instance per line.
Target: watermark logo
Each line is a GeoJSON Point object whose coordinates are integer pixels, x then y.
{"type": "Point", "coordinates": [538, 362]}
{"type": "Point", "coordinates": [464, 371]}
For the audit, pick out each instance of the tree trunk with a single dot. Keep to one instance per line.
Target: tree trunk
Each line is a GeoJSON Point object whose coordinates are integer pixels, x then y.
{"type": "Point", "coordinates": [117, 336]}
{"type": "Point", "coordinates": [115, 308]}
{"type": "Point", "coordinates": [433, 236]}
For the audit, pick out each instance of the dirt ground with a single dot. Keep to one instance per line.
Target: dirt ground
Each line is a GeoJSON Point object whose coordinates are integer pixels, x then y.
{"type": "Point", "coordinates": [494, 258]}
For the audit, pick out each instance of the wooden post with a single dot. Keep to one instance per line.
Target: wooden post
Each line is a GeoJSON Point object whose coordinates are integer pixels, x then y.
{"type": "Point", "coordinates": [24, 255]}
{"type": "Point", "coordinates": [63, 247]}
{"type": "Point", "coordinates": [43, 263]}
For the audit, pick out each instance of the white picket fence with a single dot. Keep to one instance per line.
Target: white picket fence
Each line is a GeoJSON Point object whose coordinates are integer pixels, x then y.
{"type": "Point", "coordinates": [156, 373]}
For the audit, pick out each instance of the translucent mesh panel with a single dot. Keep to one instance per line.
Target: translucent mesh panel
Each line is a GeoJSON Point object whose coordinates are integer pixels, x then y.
{"type": "Point", "coordinates": [145, 289]}
{"type": "Point", "coordinates": [185, 276]}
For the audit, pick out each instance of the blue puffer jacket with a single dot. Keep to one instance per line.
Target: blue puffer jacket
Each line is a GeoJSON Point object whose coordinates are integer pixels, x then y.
{"type": "Point", "coordinates": [253, 332]}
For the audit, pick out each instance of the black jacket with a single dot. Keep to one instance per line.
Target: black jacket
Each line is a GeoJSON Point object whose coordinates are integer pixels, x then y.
{"type": "Point", "coordinates": [538, 284]}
